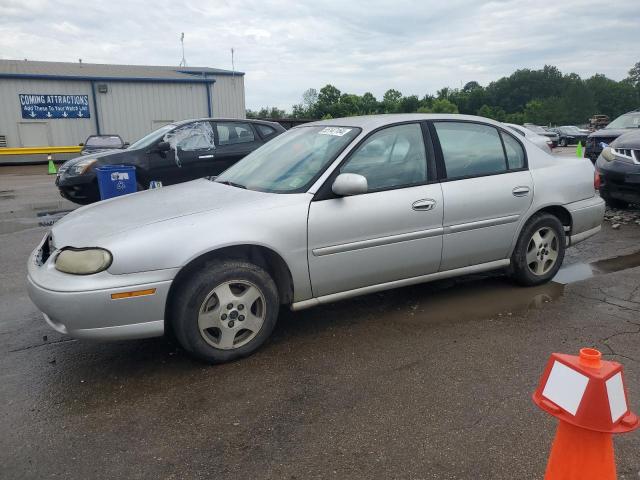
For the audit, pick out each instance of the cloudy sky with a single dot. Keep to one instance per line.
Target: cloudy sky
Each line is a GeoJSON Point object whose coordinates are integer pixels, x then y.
{"type": "Point", "coordinates": [286, 47]}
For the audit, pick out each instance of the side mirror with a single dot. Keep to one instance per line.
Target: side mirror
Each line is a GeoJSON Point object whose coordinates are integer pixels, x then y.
{"type": "Point", "coordinates": [81, 144]}
{"type": "Point", "coordinates": [163, 146]}
{"type": "Point", "coordinates": [125, 144]}
{"type": "Point", "coordinates": [347, 184]}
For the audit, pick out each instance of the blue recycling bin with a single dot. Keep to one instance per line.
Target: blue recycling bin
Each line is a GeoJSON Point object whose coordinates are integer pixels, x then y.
{"type": "Point", "coordinates": [116, 180]}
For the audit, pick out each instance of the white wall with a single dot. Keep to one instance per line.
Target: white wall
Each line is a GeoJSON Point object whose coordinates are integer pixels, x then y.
{"type": "Point", "coordinates": [58, 131]}
{"type": "Point", "coordinates": [133, 109]}
{"type": "Point", "coordinates": [130, 109]}
{"type": "Point", "coordinates": [228, 96]}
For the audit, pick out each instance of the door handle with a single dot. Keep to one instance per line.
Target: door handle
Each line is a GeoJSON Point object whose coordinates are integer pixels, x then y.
{"type": "Point", "coordinates": [424, 204]}
{"type": "Point", "coordinates": [520, 191]}
{"type": "Point", "coordinates": [206, 156]}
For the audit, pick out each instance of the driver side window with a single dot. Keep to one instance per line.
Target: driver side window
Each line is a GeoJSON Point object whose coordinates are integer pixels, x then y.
{"type": "Point", "coordinates": [470, 149]}
{"type": "Point", "coordinates": [391, 158]}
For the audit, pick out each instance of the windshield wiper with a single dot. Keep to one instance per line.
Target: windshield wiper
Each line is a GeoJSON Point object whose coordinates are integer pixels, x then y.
{"type": "Point", "coordinates": [232, 184]}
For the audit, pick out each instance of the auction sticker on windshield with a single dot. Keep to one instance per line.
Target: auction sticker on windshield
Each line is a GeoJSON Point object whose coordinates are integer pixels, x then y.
{"type": "Point", "coordinates": [335, 131]}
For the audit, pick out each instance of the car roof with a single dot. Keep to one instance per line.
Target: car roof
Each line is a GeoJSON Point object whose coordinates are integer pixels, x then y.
{"type": "Point", "coordinates": [222, 119]}
{"type": "Point", "coordinates": [372, 122]}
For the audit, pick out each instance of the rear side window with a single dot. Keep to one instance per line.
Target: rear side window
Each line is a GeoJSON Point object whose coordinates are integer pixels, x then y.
{"type": "Point", "coordinates": [231, 133]}
{"type": "Point", "coordinates": [515, 152]}
{"type": "Point", "coordinates": [265, 130]}
{"type": "Point", "coordinates": [470, 149]}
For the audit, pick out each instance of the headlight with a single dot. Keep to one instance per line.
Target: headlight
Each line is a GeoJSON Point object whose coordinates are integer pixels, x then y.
{"type": "Point", "coordinates": [83, 166]}
{"type": "Point", "coordinates": [608, 154]}
{"type": "Point", "coordinates": [83, 261]}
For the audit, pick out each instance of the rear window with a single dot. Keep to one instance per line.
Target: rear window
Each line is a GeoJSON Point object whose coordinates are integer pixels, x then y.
{"type": "Point", "coordinates": [232, 133]}
{"type": "Point", "coordinates": [515, 152]}
{"type": "Point", "coordinates": [104, 141]}
{"type": "Point", "coordinates": [470, 149]}
{"type": "Point", "coordinates": [265, 130]}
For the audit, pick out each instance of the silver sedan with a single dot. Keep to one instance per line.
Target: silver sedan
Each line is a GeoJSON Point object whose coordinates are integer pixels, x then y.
{"type": "Point", "coordinates": [328, 210]}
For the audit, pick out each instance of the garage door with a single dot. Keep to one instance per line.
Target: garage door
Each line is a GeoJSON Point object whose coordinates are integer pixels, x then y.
{"type": "Point", "coordinates": [34, 134]}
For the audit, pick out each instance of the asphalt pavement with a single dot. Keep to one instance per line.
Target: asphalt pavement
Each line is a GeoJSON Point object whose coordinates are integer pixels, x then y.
{"type": "Point", "coordinates": [425, 382]}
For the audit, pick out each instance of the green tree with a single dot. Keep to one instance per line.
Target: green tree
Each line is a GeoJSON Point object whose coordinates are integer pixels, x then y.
{"type": "Point", "coordinates": [391, 101]}
{"type": "Point", "coordinates": [440, 105]}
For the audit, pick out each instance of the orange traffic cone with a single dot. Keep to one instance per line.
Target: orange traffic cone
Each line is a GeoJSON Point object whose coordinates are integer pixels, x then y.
{"type": "Point", "coordinates": [577, 452]}
{"type": "Point", "coordinates": [588, 396]}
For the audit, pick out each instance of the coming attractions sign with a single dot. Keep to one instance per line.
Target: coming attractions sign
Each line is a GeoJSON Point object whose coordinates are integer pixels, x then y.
{"type": "Point", "coordinates": [42, 106]}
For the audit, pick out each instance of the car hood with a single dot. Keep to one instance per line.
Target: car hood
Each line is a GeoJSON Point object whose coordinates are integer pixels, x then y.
{"type": "Point", "coordinates": [87, 226]}
{"type": "Point", "coordinates": [609, 132]}
{"type": "Point", "coordinates": [112, 154]}
{"type": "Point", "coordinates": [628, 140]}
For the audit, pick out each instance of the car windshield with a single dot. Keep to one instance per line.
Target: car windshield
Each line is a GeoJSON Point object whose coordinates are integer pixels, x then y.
{"type": "Point", "coordinates": [290, 162]}
{"type": "Point", "coordinates": [628, 120]}
{"type": "Point", "coordinates": [104, 141]}
{"type": "Point", "coordinates": [152, 137]}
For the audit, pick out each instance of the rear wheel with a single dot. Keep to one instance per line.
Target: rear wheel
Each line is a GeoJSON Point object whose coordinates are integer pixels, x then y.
{"type": "Point", "coordinates": [540, 250]}
{"type": "Point", "coordinates": [225, 311]}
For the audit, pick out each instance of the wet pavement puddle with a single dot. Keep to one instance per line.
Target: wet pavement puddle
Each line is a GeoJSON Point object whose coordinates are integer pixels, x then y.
{"type": "Point", "coordinates": [583, 271]}
{"type": "Point", "coordinates": [41, 219]}
{"type": "Point", "coordinates": [493, 295]}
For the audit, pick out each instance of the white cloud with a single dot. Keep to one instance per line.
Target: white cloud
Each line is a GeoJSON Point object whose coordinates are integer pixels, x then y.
{"type": "Point", "coordinates": [286, 47]}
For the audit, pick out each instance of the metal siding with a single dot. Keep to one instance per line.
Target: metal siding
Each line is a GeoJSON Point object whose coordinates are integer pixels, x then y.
{"type": "Point", "coordinates": [129, 109]}
{"type": "Point", "coordinates": [61, 131]}
{"type": "Point", "coordinates": [228, 97]}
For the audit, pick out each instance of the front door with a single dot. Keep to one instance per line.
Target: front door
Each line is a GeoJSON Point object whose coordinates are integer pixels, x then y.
{"type": "Point", "coordinates": [392, 232]}
{"type": "Point", "coordinates": [192, 147]}
{"type": "Point", "coordinates": [486, 191]}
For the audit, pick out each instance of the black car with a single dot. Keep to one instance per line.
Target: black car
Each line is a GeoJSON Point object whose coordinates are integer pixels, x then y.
{"type": "Point", "coordinates": [174, 153]}
{"type": "Point", "coordinates": [102, 143]}
{"type": "Point", "coordinates": [620, 125]}
{"type": "Point", "coordinates": [570, 135]}
{"type": "Point", "coordinates": [619, 169]}
{"type": "Point", "coordinates": [553, 136]}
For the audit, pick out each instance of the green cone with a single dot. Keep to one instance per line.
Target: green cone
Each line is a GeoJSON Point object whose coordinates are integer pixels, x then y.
{"type": "Point", "coordinates": [579, 150]}
{"type": "Point", "coordinates": [52, 168]}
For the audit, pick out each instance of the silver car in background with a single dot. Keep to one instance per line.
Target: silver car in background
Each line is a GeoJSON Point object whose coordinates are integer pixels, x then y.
{"type": "Point", "coordinates": [326, 211]}
{"type": "Point", "coordinates": [544, 143]}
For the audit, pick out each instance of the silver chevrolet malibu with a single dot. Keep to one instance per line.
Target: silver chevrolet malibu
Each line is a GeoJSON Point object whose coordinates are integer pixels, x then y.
{"type": "Point", "coordinates": [327, 211]}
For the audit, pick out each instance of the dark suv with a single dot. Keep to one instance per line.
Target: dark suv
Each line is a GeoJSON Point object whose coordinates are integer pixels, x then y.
{"type": "Point", "coordinates": [174, 153]}
{"type": "Point", "coordinates": [620, 125]}
{"type": "Point", "coordinates": [619, 168]}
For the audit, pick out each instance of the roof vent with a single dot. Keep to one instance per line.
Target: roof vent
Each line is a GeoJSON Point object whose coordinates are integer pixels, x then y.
{"type": "Point", "coordinates": [3, 141]}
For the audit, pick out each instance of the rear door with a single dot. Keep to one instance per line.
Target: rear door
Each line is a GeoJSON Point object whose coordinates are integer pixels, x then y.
{"type": "Point", "coordinates": [392, 232]}
{"type": "Point", "coordinates": [234, 140]}
{"type": "Point", "coordinates": [487, 187]}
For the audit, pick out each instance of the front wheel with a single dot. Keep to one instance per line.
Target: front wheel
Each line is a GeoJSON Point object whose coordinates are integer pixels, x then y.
{"type": "Point", "coordinates": [563, 142]}
{"type": "Point", "coordinates": [540, 250]}
{"type": "Point", "coordinates": [225, 311]}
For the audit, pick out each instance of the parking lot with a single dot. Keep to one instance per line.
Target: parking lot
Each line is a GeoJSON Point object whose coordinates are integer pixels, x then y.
{"type": "Point", "coordinates": [429, 381]}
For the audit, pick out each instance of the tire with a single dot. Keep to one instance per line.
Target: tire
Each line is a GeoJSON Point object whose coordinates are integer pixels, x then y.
{"type": "Point", "coordinates": [542, 235]}
{"type": "Point", "coordinates": [563, 142]}
{"type": "Point", "coordinates": [207, 328]}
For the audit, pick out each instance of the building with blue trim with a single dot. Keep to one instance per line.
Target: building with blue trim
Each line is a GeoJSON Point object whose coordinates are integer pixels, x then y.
{"type": "Point", "coordinates": [60, 104]}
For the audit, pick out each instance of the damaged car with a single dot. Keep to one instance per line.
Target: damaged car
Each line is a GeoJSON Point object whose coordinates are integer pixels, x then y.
{"type": "Point", "coordinates": [174, 153]}
{"type": "Point", "coordinates": [599, 139]}
{"type": "Point", "coordinates": [326, 211]}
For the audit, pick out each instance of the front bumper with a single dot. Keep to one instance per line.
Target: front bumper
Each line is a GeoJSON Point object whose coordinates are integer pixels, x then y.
{"type": "Point", "coordinates": [82, 306]}
{"type": "Point", "coordinates": [619, 180]}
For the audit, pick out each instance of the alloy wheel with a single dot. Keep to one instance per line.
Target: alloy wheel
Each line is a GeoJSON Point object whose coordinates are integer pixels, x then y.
{"type": "Point", "coordinates": [542, 251]}
{"type": "Point", "coordinates": [232, 314]}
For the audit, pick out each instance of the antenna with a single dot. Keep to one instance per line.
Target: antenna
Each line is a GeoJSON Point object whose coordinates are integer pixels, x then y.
{"type": "Point", "coordinates": [183, 62]}
{"type": "Point", "coordinates": [233, 66]}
